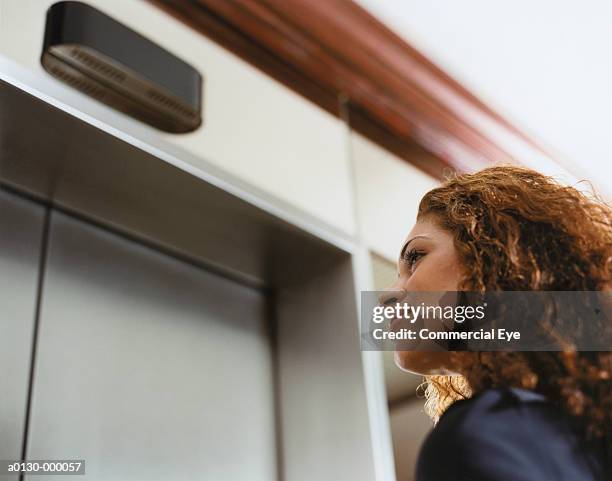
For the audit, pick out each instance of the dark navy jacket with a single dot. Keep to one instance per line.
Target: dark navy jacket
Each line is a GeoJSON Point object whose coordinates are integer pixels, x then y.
{"type": "Point", "coordinates": [507, 435]}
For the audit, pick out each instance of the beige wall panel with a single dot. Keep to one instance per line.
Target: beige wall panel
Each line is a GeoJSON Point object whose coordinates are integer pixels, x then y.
{"type": "Point", "coordinates": [409, 426]}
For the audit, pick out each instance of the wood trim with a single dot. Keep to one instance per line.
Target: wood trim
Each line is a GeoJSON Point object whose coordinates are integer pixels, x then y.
{"type": "Point", "coordinates": [334, 50]}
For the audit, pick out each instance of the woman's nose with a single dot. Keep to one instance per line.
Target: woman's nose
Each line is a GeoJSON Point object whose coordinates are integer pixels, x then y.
{"type": "Point", "coordinates": [391, 296]}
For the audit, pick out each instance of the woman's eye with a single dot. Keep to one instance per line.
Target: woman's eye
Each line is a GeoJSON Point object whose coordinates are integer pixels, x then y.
{"type": "Point", "coordinates": [412, 257]}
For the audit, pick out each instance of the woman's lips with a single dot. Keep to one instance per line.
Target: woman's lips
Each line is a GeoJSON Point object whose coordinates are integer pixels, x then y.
{"type": "Point", "coordinates": [396, 324]}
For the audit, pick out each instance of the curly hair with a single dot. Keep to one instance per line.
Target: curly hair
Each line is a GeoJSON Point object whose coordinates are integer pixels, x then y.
{"type": "Point", "coordinates": [520, 230]}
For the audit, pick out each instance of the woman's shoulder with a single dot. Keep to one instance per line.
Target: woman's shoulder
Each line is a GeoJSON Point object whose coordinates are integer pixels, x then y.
{"type": "Point", "coordinates": [493, 402]}
{"type": "Point", "coordinates": [506, 416]}
{"type": "Point", "coordinates": [496, 405]}
{"type": "Point", "coordinates": [504, 434]}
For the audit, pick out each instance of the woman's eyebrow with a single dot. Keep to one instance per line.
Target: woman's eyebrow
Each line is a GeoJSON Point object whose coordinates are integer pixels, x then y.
{"type": "Point", "coordinates": [403, 251]}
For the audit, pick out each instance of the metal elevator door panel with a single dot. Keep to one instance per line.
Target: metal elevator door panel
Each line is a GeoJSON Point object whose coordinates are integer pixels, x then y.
{"type": "Point", "coordinates": [21, 226]}
{"type": "Point", "coordinates": [149, 368]}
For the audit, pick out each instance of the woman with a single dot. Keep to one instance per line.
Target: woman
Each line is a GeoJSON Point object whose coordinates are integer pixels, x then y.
{"type": "Point", "coordinates": [511, 415]}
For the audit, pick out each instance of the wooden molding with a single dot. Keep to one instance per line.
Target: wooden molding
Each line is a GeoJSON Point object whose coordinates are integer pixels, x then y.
{"type": "Point", "coordinates": [340, 57]}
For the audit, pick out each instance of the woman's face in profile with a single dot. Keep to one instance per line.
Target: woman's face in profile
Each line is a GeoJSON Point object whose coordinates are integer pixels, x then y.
{"type": "Point", "coordinates": [428, 261]}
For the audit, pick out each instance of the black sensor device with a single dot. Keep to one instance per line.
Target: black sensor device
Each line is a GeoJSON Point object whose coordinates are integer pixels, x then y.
{"type": "Point", "coordinates": [119, 67]}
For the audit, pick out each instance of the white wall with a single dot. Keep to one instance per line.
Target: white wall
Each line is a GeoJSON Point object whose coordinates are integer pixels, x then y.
{"type": "Point", "coordinates": [545, 65]}
{"type": "Point", "coordinates": [388, 194]}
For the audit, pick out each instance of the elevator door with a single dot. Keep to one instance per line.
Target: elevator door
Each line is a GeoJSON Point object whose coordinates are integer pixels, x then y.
{"type": "Point", "coordinates": [149, 368]}
{"type": "Point", "coordinates": [21, 226]}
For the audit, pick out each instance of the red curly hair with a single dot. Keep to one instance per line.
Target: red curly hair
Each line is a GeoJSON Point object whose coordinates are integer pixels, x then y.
{"type": "Point", "coordinates": [517, 229]}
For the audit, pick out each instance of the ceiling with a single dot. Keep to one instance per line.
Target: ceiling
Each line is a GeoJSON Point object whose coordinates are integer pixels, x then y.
{"type": "Point", "coordinates": [545, 66]}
